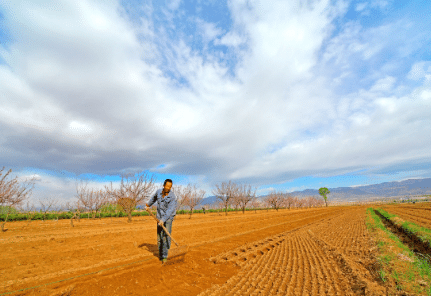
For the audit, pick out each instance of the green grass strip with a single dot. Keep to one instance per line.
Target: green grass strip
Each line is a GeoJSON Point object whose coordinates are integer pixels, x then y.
{"type": "Point", "coordinates": [423, 233]}
{"type": "Point", "coordinates": [387, 256]}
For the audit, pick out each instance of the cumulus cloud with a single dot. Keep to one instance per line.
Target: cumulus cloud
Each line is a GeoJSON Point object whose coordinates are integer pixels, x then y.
{"type": "Point", "coordinates": [420, 70]}
{"type": "Point", "coordinates": [366, 7]}
{"type": "Point", "coordinates": [90, 88]}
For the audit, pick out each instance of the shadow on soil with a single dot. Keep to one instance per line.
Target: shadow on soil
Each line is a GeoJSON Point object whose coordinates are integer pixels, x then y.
{"type": "Point", "coordinates": [151, 248]}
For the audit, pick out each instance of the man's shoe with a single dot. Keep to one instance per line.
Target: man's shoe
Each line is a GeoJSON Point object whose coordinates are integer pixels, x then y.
{"type": "Point", "coordinates": [164, 260]}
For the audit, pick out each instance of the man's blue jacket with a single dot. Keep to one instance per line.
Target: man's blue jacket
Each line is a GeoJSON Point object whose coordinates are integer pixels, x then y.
{"type": "Point", "coordinates": [166, 206]}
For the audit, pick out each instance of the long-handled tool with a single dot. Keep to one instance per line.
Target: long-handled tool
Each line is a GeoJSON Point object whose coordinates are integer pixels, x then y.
{"type": "Point", "coordinates": [176, 253]}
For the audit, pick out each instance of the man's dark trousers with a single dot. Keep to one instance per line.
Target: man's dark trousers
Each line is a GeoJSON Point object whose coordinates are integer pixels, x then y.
{"type": "Point", "coordinates": [163, 240]}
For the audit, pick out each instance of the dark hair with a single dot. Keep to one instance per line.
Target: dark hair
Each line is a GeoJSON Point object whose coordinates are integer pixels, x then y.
{"type": "Point", "coordinates": [166, 181]}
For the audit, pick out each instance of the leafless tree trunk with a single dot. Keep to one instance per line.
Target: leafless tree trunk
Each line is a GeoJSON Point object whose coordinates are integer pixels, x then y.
{"type": "Point", "coordinates": [300, 202]}
{"type": "Point", "coordinates": [245, 195]}
{"type": "Point", "coordinates": [57, 211]}
{"type": "Point", "coordinates": [191, 197]}
{"type": "Point", "coordinates": [255, 203]}
{"type": "Point", "coordinates": [275, 200]}
{"type": "Point", "coordinates": [73, 207]}
{"type": "Point", "coordinates": [134, 190]}
{"type": "Point", "coordinates": [13, 192]}
{"type": "Point", "coordinates": [79, 209]}
{"type": "Point", "coordinates": [92, 199]}
{"type": "Point", "coordinates": [85, 196]}
{"type": "Point", "coordinates": [295, 202]}
{"type": "Point", "coordinates": [235, 201]}
{"type": "Point", "coordinates": [180, 192]}
{"type": "Point", "coordinates": [225, 192]}
{"type": "Point", "coordinates": [219, 206]}
{"type": "Point", "coordinates": [29, 209]}
{"type": "Point", "coordinates": [288, 201]}
{"type": "Point", "coordinates": [46, 205]}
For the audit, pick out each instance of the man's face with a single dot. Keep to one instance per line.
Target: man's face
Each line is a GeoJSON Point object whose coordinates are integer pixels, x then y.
{"type": "Point", "coordinates": [167, 187]}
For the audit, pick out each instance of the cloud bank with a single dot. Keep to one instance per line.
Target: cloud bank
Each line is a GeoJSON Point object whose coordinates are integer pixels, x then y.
{"type": "Point", "coordinates": [273, 92]}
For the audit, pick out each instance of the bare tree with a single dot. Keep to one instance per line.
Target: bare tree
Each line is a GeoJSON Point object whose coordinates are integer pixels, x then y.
{"type": "Point", "coordinates": [319, 202]}
{"type": "Point", "coordinates": [289, 201]}
{"type": "Point", "coordinates": [295, 202]}
{"type": "Point", "coordinates": [79, 209]}
{"type": "Point", "coordinates": [85, 196]}
{"type": "Point", "coordinates": [191, 197]}
{"type": "Point", "coordinates": [312, 201]}
{"type": "Point", "coordinates": [219, 205]}
{"type": "Point", "coordinates": [255, 203]}
{"type": "Point", "coordinates": [29, 209]}
{"type": "Point", "coordinates": [46, 205]}
{"type": "Point", "coordinates": [75, 209]}
{"type": "Point", "coordinates": [235, 201]}
{"type": "Point", "coordinates": [134, 190]}
{"type": "Point", "coordinates": [71, 208]}
{"type": "Point", "coordinates": [12, 192]}
{"type": "Point", "coordinates": [300, 203]}
{"type": "Point", "coordinates": [275, 200]}
{"type": "Point", "coordinates": [245, 195]}
{"type": "Point", "coordinates": [225, 192]}
{"type": "Point", "coordinates": [180, 193]}
{"type": "Point", "coordinates": [100, 200]}
{"type": "Point", "coordinates": [57, 209]}
{"type": "Point", "coordinates": [91, 199]}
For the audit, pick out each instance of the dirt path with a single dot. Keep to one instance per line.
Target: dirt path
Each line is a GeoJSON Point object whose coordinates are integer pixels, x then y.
{"type": "Point", "coordinates": [116, 258]}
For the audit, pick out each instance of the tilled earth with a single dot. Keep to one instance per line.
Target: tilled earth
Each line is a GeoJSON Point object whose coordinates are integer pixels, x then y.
{"type": "Point", "coordinates": [418, 213]}
{"type": "Point", "coordinates": [322, 251]}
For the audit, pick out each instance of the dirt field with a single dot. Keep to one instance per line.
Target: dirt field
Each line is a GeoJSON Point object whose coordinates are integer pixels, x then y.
{"type": "Point", "coordinates": [324, 251]}
{"type": "Point", "coordinates": [419, 213]}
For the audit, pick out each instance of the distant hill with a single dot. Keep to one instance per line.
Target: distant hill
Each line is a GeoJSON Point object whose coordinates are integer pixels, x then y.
{"type": "Point", "coordinates": [387, 189]}
{"type": "Point", "coordinates": [209, 200]}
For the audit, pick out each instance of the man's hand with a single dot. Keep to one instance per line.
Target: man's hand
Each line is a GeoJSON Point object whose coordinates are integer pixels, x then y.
{"type": "Point", "coordinates": [161, 223]}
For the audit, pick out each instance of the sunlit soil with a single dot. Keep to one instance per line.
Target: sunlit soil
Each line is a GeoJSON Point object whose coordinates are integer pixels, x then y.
{"type": "Point", "coordinates": [419, 213]}
{"type": "Point", "coordinates": [321, 251]}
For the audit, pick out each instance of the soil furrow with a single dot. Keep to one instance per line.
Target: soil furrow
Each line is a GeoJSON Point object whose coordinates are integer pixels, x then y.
{"type": "Point", "coordinates": [266, 253]}
{"type": "Point", "coordinates": [414, 243]}
{"type": "Point", "coordinates": [422, 218]}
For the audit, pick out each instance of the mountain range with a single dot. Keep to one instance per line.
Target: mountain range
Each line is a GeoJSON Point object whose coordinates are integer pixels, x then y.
{"type": "Point", "coordinates": [398, 189]}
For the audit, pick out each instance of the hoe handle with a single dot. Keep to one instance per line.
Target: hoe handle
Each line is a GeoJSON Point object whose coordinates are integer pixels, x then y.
{"type": "Point", "coordinates": [163, 226]}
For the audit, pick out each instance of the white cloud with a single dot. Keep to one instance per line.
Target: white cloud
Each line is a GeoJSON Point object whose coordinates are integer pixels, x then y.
{"type": "Point", "coordinates": [361, 6]}
{"type": "Point", "coordinates": [420, 70]}
{"type": "Point", "coordinates": [174, 4]}
{"type": "Point", "coordinates": [380, 3]}
{"type": "Point", "coordinates": [87, 90]}
{"type": "Point", "coordinates": [390, 131]}
{"type": "Point", "coordinates": [231, 39]}
{"type": "Point", "coordinates": [365, 8]}
{"type": "Point", "coordinates": [209, 31]}
{"type": "Point", "coordinates": [384, 85]}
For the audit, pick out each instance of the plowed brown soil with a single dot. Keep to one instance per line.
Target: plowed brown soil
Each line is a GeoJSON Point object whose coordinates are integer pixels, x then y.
{"type": "Point", "coordinates": [331, 257]}
{"type": "Point", "coordinates": [323, 251]}
{"type": "Point", "coordinates": [418, 213]}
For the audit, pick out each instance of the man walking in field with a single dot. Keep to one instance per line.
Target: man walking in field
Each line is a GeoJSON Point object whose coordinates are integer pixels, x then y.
{"type": "Point", "coordinates": [166, 211]}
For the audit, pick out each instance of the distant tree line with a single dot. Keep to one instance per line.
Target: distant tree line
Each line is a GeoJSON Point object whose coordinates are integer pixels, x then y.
{"type": "Point", "coordinates": [132, 192]}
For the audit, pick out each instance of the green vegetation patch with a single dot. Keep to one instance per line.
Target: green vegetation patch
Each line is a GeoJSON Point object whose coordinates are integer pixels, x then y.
{"type": "Point", "coordinates": [423, 233]}
{"type": "Point", "coordinates": [400, 268]}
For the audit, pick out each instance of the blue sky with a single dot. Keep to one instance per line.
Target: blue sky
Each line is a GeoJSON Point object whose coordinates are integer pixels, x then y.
{"type": "Point", "coordinates": [278, 94]}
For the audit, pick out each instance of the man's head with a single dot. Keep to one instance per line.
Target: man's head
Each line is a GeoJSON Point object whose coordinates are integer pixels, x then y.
{"type": "Point", "coordinates": [167, 185]}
